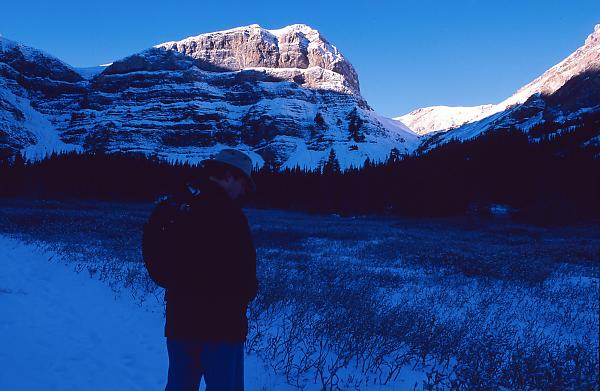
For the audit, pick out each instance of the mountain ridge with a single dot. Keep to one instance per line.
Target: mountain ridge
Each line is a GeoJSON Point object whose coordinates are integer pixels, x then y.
{"type": "Point", "coordinates": [176, 103]}
{"type": "Point", "coordinates": [285, 96]}
{"type": "Point", "coordinates": [446, 118]}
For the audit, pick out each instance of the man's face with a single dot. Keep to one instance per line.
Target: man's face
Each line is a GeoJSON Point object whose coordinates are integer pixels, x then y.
{"type": "Point", "coordinates": [235, 186]}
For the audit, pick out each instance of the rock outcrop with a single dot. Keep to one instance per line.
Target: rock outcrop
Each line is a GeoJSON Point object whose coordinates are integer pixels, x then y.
{"type": "Point", "coordinates": [297, 46]}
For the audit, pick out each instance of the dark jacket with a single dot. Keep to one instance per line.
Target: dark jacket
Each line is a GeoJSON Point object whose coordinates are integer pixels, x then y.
{"type": "Point", "coordinates": [215, 276]}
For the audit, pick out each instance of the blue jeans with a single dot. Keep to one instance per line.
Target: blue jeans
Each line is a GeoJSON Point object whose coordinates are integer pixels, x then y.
{"type": "Point", "coordinates": [221, 364]}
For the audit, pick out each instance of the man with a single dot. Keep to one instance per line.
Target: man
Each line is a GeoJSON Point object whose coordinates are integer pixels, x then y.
{"type": "Point", "coordinates": [213, 280]}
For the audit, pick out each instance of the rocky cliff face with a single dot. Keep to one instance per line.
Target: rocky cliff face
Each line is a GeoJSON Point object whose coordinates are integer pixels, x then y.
{"type": "Point", "coordinates": [298, 47]}
{"type": "Point", "coordinates": [284, 96]}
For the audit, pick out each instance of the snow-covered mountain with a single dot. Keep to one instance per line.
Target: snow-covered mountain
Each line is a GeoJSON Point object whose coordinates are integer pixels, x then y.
{"type": "Point", "coordinates": [285, 96]}
{"type": "Point", "coordinates": [25, 71]}
{"type": "Point", "coordinates": [467, 122]}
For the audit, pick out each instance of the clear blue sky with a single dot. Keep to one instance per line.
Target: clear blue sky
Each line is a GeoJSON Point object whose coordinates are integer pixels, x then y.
{"type": "Point", "coordinates": [407, 54]}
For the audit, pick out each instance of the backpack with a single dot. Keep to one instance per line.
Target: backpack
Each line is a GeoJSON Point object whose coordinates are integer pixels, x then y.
{"type": "Point", "coordinates": [159, 240]}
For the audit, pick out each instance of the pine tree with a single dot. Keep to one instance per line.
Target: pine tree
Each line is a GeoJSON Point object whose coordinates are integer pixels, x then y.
{"type": "Point", "coordinates": [332, 165]}
{"type": "Point", "coordinates": [354, 124]}
{"type": "Point", "coordinates": [394, 156]}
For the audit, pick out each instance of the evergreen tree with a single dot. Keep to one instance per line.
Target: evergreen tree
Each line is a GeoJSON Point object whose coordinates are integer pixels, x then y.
{"type": "Point", "coordinates": [394, 156]}
{"type": "Point", "coordinates": [332, 165]}
{"type": "Point", "coordinates": [354, 126]}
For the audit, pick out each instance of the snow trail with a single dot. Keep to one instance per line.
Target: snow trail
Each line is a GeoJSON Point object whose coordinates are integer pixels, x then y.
{"type": "Point", "coordinates": [60, 330]}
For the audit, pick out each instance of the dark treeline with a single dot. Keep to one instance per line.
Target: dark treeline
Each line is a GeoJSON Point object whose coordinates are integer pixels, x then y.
{"type": "Point", "coordinates": [92, 176]}
{"type": "Point", "coordinates": [552, 178]}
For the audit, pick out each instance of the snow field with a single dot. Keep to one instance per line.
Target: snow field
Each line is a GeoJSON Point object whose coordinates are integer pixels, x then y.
{"type": "Point", "coordinates": [62, 330]}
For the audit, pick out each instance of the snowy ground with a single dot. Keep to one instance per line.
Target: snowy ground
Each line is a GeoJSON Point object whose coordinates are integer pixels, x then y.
{"type": "Point", "coordinates": [62, 330]}
{"type": "Point", "coordinates": [347, 302]}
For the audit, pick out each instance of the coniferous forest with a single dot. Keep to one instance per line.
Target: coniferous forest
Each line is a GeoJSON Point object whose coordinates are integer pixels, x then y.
{"type": "Point", "coordinates": [550, 180]}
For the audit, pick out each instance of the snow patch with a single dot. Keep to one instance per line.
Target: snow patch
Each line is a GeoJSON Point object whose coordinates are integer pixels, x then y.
{"type": "Point", "coordinates": [89, 73]}
{"type": "Point", "coordinates": [39, 127]}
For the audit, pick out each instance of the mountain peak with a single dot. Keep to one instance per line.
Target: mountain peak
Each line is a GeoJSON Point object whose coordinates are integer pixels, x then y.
{"type": "Point", "coordinates": [35, 62]}
{"type": "Point", "coordinates": [304, 28]}
{"type": "Point", "coordinates": [8, 44]}
{"type": "Point", "coordinates": [285, 95]}
{"type": "Point", "coordinates": [295, 48]}
{"type": "Point", "coordinates": [594, 37]}
{"type": "Point", "coordinates": [5, 42]}
{"type": "Point", "coordinates": [251, 28]}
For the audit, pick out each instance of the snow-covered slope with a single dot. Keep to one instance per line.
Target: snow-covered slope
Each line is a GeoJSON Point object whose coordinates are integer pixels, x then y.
{"type": "Point", "coordinates": [74, 330]}
{"type": "Point", "coordinates": [430, 119]}
{"type": "Point", "coordinates": [89, 73]}
{"type": "Point", "coordinates": [443, 118]}
{"type": "Point", "coordinates": [573, 106]}
{"type": "Point", "coordinates": [24, 71]}
{"type": "Point", "coordinates": [285, 96]}
{"type": "Point", "coordinates": [34, 134]}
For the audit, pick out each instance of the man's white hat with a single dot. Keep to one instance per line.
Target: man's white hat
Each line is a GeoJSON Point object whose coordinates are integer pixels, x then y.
{"type": "Point", "coordinates": [237, 159]}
